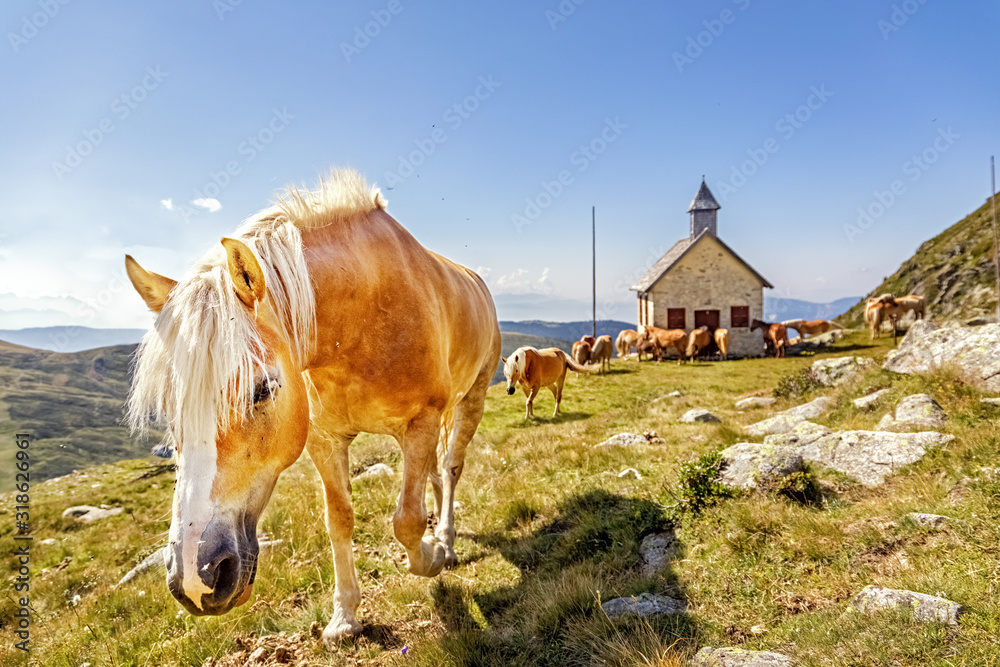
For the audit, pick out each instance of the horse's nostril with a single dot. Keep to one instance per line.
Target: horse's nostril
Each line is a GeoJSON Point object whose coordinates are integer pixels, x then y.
{"type": "Point", "coordinates": [510, 391]}
{"type": "Point", "coordinates": [226, 576]}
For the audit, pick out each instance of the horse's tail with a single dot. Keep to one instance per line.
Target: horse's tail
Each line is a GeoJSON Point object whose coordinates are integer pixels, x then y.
{"type": "Point", "coordinates": [572, 365]}
{"type": "Point", "coordinates": [444, 438]}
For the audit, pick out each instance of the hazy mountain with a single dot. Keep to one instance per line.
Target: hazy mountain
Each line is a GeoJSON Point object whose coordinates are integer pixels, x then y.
{"type": "Point", "coordinates": [566, 331]}
{"type": "Point", "coordinates": [69, 338]}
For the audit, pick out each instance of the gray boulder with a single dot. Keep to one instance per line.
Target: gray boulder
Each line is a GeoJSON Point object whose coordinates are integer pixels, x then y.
{"type": "Point", "coordinates": [645, 604]}
{"type": "Point", "coordinates": [801, 435]}
{"type": "Point", "coordinates": [698, 415]}
{"type": "Point", "coordinates": [870, 456]}
{"type": "Point", "coordinates": [88, 513]}
{"type": "Point", "coordinates": [916, 411]}
{"type": "Point", "coordinates": [755, 402]}
{"type": "Point", "coordinates": [738, 657]}
{"type": "Point", "coordinates": [926, 608]}
{"type": "Point", "coordinates": [656, 551]}
{"type": "Point", "coordinates": [747, 464]}
{"type": "Point", "coordinates": [624, 440]}
{"type": "Point", "coordinates": [833, 372]}
{"type": "Point", "coordinates": [870, 399]}
{"type": "Point", "coordinates": [973, 351]}
{"type": "Point", "coordinates": [375, 471]}
{"type": "Point", "coordinates": [810, 410]}
{"type": "Point", "coordinates": [787, 420]}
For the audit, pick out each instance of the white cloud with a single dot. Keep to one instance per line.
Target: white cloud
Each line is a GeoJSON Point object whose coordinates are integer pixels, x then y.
{"type": "Point", "coordinates": [167, 204]}
{"type": "Point", "coordinates": [484, 271]}
{"type": "Point", "coordinates": [210, 204]}
{"type": "Point", "coordinates": [521, 282]}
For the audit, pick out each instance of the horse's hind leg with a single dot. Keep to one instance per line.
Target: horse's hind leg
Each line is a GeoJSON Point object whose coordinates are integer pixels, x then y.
{"type": "Point", "coordinates": [426, 555]}
{"type": "Point", "coordinates": [468, 413]}
{"type": "Point", "coordinates": [330, 456]}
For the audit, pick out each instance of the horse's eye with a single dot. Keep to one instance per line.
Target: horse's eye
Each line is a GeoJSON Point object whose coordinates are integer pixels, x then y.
{"type": "Point", "coordinates": [265, 388]}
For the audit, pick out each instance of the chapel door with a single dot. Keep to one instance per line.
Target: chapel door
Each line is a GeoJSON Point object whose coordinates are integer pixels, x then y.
{"type": "Point", "coordinates": [706, 318]}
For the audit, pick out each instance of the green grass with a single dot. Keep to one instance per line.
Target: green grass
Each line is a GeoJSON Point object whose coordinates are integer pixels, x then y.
{"type": "Point", "coordinates": [548, 530]}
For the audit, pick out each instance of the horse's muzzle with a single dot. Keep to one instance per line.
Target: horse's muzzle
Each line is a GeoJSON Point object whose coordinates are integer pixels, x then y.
{"type": "Point", "coordinates": [510, 391]}
{"type": "Point", "coordinates": [227, 565]}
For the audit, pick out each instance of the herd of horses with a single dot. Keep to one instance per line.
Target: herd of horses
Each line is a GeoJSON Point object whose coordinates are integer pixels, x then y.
{"type": "Point", "coordinates": [274, 343]}
{"type": "Point", "coordinates": [889, 308]}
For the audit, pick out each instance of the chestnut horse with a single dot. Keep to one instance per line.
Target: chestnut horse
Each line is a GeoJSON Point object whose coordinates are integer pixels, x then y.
{"type": "Point", "coordinates": [534, 369]}
{"type": "Point", "coordinates": [811, 327]}
{"type": "Point", "coordinates": [698, 340]}
{"type": "Point", "coordinates": [665, 338]}
{"type": "Point", "coordinates": [581, 352]}
{"type": "Point", "coordinates": [600, 352]}
{"type": "Point", "coordinates": [722, 342]}
{"type": "Point", "coordinates": [275, 342]}
{"type": "Point", "coordinates": [774, 334]}
{"type": "Point", "coordinates": [627, 339]}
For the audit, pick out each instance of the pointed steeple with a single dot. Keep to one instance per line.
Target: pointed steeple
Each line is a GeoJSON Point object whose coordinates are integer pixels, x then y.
{"type": "Point", "coordinates": [703, 210]}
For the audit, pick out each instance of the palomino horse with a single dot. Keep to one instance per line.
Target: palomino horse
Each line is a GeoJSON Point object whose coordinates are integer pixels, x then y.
{"type": "Point", "coordinates": [722, 342]}
{"type": "Point", "coordinates": [665, 338]}
{"type": "Point", "coordinates": [275, 341]}
{"type": "Point", "coordinates": [581, 352]}
{"type": "Point", "coordinates": [811, 327]}
{"type": "Point", "coordinates": [601, 352]}
{"type": "Point", "coordinates": [698, 340]}
{"type": "Point", "coordinates": [534, 369]}
{"type": "Point", "coordinates": [627, 339]}
{"type": "Point", "coordinates": [774, 334]}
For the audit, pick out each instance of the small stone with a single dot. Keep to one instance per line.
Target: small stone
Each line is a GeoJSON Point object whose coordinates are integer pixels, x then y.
{"type": "Point", "coordinates": [737, 657]}
{"type": "Point", "coordinates": [88, 513]}
{"type": "Point", "coordinates": [755, 402]}
{"type": "Point", "coordinates": [929, 520]}
{"type": "Point", "coordinates": [674, 394]}
{"type": "Point", "coordinates": [258, 657]}
{"type": "Point", "coordinates": [698, 415]}
{"type": "Point", "coordinates": [870, 399]}
{"type": "Point", "coordinates": [645, 604]}
{"type": "Point", "coordinates": [49, 542]}
{"type": "Point", "coordinates": [630, 471]}
{"type": "Point", "coordinates": [375, 471]}
{"type": "Point", "coordinates": [991, 401]}
{"type": "Point", "coordinates": [623, 440]}
{"type": "Point", "coordinates": [926, 608]}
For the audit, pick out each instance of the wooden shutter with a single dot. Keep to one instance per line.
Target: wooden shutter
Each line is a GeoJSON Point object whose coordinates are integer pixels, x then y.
{"type": "Point", "coordinates": [740, 317]}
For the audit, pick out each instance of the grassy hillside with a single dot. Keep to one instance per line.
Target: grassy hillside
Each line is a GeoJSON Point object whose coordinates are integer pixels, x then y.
{"type": "Point", "coordinates": [70, 403]}
{"type": "Point", "coordinates": [548, 528]}
{"type": "Point", "coordinates": [954, 270]}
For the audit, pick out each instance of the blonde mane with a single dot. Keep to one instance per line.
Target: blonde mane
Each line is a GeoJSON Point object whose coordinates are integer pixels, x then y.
{"type": "Point", "coordinates": [196, 368]}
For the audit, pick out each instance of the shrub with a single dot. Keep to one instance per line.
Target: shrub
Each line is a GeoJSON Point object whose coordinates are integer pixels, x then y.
{"type": "Point", "coordinates": [699, 486]}
{"type": "Point", "coordinates": [796, 384]}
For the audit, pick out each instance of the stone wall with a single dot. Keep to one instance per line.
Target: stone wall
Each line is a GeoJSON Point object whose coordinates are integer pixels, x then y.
{"type": "Point", "coordinates": [709, 278]}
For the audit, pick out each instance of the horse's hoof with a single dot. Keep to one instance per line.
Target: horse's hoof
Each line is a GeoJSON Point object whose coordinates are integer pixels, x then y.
{"type": "Point", "coordinates": [450, 559]}
{"type": "Point", "coordinates": [433, 554]}
{"type": "Point", "coordinates": [338, 629]}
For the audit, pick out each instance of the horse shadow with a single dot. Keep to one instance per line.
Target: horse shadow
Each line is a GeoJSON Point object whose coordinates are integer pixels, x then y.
{"type": "Point", "coordinates": [588, 553]}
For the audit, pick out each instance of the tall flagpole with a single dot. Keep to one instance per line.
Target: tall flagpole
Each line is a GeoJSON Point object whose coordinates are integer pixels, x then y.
{"type": "Point", "coordinates": [593, 240]}
{"type": "Point", "coordinates": [996, 244]}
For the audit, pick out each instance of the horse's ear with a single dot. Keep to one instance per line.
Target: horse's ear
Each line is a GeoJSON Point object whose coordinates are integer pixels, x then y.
{"type": "Point", "coordinates": [504, 361]}
{"type": "Point", "coordinates": [244, 269]}
{"type": "Point", "coordinates": [152, 287]}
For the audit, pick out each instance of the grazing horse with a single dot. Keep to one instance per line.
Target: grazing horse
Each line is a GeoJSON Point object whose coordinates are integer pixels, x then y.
{"type": "Point", "coordinates": [665, 338]}
{"type": "Point", "coordinates": [774, 334]}
{"type": "Point", "coordinates": [275, 341]}
{"type": "Point", "coordinates": [912, 303]}
{"type": "Point", "coordinates": [811, 327]}
{"type": "Point", "coordinates": [698, 340]}
{"type": "Point", "coordinates": [589, 340]}
{"type": "Point", "coordinates": [722, 342]}
{"type": "Point", "coordinates": [645, 347]}
{"type": "Point", "coordinates": [601, 352]}
{"type": "Point", "coordinates": [534, 369]}
{"type": "Point", "coordinates": [581, 352]}
{"type": "Point", "coordinates": [627, 339]}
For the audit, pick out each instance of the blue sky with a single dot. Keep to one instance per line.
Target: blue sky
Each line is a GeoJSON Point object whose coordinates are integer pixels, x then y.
{"type": "Point", "coordinates": [798, 116]}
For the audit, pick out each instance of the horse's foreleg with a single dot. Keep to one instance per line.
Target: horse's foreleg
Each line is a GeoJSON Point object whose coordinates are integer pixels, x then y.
{"type": "Point", "coordinates": [426, 555]}
{"type": "Point", "coordinates": [529, 410]}
{"type": "Point", "coordinates": [329, 454]}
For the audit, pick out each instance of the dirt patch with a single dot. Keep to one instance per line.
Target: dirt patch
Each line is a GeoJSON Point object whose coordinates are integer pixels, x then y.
{"type": "Point", "coordinates": [880, 524]}
{"type": "Point", "coordinates": [296, 650]}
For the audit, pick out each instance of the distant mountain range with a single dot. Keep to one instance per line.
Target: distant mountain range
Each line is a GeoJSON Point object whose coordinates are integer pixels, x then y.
{"type": "Point", "coordinates": [70, 339]}
{"type": "Point", "coordinates": [566, 331]}
{"type": "Point", "coordinates": [778, 310]}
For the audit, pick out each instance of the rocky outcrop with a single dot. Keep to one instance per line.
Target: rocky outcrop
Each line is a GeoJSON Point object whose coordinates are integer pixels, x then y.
{"type": "Point", "coordinates": [870, 456]}
{"type": "Point", "coordinates": [788, 420]}
{"type": "Point", "coordinates": [748, 464]}
{"type": "Point", "coordinates": [656, 551]}
{"type": "Point", "coordinates": [737, 657]}
{"type": "Point", "coordinates": [645, 604]}
{"type": "Point", "coordinates": [837, 371]}
{"type": "Point", "coordinates": [755, 402]}
{"type": "Point", "coordinates": [974, 352]}
{"type": "Point", "coordinates": [698, 415]}
{"type": "Point", "coordinates": [918, 411]}
{"type": "Point", "coordinates": [801, 435]}
{"type": "Point", "coordinates": [929, 520]}
{"type": "Point", "coordinates": [925, 608]}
